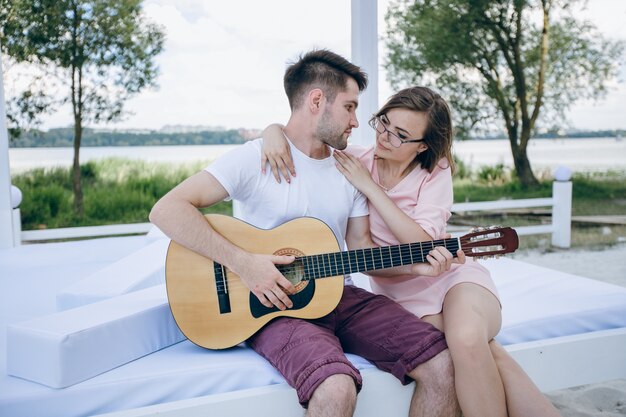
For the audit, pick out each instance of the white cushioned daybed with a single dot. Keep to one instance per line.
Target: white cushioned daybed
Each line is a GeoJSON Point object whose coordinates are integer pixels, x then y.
{"type": "Point", "coordinates": [118, 350]}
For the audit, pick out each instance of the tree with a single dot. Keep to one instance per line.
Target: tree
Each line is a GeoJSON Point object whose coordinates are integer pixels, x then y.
{"type": "Point", "coordinates": [101, 51]}
{"type": "Point", "coordinates": [506, 61]}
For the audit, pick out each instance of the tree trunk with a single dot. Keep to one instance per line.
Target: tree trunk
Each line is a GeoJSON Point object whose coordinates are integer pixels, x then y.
{"type": "Point", "coordinates": [520, 158]}
{"type": "Point", "coordinates": [523, 169]}
{"type": "Point", "coordinates": [76, 177]}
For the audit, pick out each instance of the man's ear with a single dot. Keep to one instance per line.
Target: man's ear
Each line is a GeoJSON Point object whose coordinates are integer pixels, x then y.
{"type": "Point", "coordinates": [316, 97]}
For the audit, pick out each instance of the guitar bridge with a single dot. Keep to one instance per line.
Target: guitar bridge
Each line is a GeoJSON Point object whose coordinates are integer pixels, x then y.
{"type": "Point", "coordinates": [223, 300]}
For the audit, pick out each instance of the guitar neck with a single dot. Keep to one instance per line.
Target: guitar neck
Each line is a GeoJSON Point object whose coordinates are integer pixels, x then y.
{"type": "Point", "coordinates": [369, 259]}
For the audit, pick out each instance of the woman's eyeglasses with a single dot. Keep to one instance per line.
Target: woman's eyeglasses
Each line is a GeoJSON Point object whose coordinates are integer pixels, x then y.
{"type": "Point", "coordinates": [380, 125]}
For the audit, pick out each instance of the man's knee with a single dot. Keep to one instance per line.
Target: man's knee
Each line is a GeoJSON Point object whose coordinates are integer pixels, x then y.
{"type": "Point", "coordinates": [437, 371]}
{"type": "Point", "coordinates": [337, 391]}
{"type": "Point", "coordinates": [337, 388]}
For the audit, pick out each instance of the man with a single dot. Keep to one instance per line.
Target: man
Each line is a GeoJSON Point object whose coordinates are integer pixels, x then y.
{"type": "Point", "coordinates": [323, 89]}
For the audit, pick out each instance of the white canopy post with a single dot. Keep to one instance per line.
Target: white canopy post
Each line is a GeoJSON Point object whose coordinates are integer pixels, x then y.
{"type": "Point", "coordinates": [365, 54]}
{"type": "Point", "coordinates": [6, 208]}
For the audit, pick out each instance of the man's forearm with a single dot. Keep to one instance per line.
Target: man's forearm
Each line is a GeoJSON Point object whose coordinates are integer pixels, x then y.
{"type": "Point", "coordinates": [185, 224]}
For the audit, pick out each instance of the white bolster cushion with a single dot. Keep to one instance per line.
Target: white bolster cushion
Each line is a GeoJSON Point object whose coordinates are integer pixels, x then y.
{"type": "Point", "coordinates": [141, 269]}
{"type": "Point", "coordinates": [71, 346]}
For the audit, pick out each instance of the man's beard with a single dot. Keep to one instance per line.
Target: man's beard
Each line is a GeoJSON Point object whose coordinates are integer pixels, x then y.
{"type": "Point", "coordinates": [329, 133]}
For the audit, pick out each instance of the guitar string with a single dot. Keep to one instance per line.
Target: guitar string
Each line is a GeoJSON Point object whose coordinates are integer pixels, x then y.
{"type": "Point", "coordinates": [324, 272]}
{"type": "Point", "coordinates": [326, 266]}
{"type": "Point", "coordinates": [321, 261]}
{"type": "Point", "coordinates": [328, 262]}
{"type": "Point", "coordinates": [320, 269]}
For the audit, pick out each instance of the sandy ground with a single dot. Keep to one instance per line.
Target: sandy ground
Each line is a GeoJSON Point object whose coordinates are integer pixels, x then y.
{"type": "Point", "coordinates": [602, 399]}
{"type": "Point", "coordinates": [608, 265]}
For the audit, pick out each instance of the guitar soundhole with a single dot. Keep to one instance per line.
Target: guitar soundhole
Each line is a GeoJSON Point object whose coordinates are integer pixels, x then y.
{"type": "Point", "coordinates": [294, 272]}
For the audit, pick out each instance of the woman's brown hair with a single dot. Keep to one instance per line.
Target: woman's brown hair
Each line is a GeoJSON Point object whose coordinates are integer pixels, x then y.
{"type": "Point", "coordinates": [438, 134]}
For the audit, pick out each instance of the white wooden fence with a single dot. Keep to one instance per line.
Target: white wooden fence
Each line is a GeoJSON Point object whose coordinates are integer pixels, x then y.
{"type": "Point", "coordinates": [561, 203]}
{"type": "Point", "coordinates": [559, 228]}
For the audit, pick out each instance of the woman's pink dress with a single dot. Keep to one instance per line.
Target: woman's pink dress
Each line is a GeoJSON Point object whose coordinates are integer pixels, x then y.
{"type": "Point", "coordinates": [427, 199]}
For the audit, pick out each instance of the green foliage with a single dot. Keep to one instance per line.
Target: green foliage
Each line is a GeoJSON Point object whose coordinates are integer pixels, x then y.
{"type": "Point", "coordinates": [117, 191]}
{"type": "Point", "coordinates": [485, 54]}
{"type": "Point", "coordinates": [593, 186]}
{"type": "Point", "coordinates": [109, 43]}
{"type": "Point", "coordinates": [88, 172]}
{"type": "Point", "coordinates": [469, 190]}
{"type": "Point", "coordinates": [114, 204]}
{"type": "Point", "coordinates": [47, 198]}
{"type": "Point", "coordinates": [64, 137]}
{"type": "Point", "coordinates": [461, 170]}
{"type": "Point", "coordinates": [493, 174]}
{"type": "Point", "coordinates": [512, 63]}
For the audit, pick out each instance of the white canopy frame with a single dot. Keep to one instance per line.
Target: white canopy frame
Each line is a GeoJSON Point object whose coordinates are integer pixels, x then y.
{"type": "Point", "coordinates": [7, 238]}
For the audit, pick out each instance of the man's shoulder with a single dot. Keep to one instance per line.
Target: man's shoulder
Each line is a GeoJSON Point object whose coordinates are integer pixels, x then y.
{"type": "Point", "coordinates": [242, 156]}
{"type": "Point", "coordinates": [359, 151]}
{"type": "Point", "coordinates": [253, 144]}
{"type": "Point", "coordinates": [251, 147]}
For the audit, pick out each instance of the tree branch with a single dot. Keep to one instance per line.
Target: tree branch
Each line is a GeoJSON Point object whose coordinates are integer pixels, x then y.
{"type": "Point", "coordinates": [518, 69]}
{"type": "Point", "coordinates": [494, 83]}
{"type": "Point", "coordinates": [543, 58]}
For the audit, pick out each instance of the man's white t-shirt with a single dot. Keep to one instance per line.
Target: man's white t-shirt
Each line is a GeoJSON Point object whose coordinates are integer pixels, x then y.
{"type": "Point", "coordinates": [319, 190]}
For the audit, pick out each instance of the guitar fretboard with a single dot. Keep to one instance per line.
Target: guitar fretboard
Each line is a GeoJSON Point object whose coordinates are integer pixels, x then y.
{"type": "Point", "coordinates": [368, 259]}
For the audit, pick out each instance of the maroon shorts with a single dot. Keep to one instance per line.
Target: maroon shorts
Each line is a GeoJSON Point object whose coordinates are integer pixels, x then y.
{"type": "Point", "coordinates": [306, 352]}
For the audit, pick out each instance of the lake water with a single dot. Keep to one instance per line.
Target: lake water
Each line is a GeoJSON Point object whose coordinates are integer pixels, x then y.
{"type": "Point", "coordinates": [546, 154]}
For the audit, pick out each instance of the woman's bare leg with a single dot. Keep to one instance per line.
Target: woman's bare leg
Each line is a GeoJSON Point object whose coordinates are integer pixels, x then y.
{"type": "Point", "coordinates": [523, 398]}
{"type": "Point", "coordinates": [470, 319]}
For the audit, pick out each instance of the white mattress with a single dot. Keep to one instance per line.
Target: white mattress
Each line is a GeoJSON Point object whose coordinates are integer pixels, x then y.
{"type": "Point", "coordinates": [538, 303]}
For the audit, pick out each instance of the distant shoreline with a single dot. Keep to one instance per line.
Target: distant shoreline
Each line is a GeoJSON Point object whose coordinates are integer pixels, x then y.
{"type": "Point", "coordinates": [62, 138]}
{"type": "Point", "coordinates": [589, 155]}
{"type": "Point", "coordinates": [568, 138]}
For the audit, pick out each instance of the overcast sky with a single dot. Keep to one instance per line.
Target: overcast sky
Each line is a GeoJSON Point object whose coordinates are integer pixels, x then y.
{"type": "Point", "coordinates": [224, 60]}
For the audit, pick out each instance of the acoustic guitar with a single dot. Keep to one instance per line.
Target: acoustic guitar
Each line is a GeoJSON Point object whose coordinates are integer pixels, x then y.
{"type": "Point", "coordinates": [214, 309]}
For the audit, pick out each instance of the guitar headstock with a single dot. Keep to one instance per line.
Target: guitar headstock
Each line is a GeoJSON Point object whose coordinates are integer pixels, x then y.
{"type": "Point", "coordinates": [489, 242]}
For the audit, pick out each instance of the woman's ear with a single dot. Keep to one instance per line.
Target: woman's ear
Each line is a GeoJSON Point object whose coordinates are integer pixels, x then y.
{"type": "Point", "coordinates": [422, 147]}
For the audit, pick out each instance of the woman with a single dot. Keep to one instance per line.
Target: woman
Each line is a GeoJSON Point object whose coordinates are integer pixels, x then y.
{"type": "Point", "coordinates": [407, 178]}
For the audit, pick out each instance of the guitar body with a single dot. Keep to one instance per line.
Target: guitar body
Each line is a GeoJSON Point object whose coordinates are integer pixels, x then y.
{"type": "Point", "coordinates": [194, 282]}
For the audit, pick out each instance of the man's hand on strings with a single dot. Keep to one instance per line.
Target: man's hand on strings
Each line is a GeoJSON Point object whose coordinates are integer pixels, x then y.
{"type": "Point", "coordinates": [260, 275]}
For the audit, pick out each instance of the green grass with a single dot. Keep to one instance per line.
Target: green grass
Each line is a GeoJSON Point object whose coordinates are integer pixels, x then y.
{"type": "Point", "coordinates": [593, 193]}
{"type": "Point", "coordinates": [118, 191]}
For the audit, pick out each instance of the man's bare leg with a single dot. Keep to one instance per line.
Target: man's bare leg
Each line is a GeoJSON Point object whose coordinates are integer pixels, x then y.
{"type": "Point", "coordinates": [335, 397]}
{"type": "Point", "coordinates": [434, 394]}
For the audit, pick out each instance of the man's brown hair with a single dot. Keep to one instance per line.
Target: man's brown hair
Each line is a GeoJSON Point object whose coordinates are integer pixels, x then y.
{"type": "Point", "coordinates": [321, 69]}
